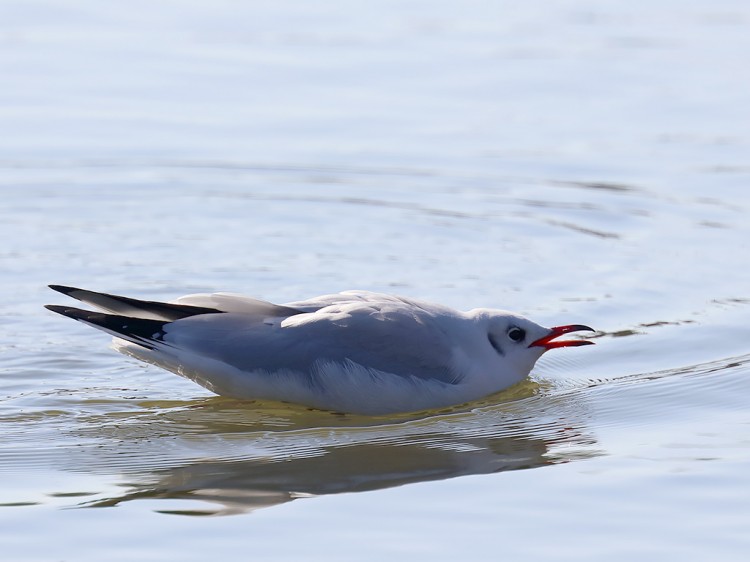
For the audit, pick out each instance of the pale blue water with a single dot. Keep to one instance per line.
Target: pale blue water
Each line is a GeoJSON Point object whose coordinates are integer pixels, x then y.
{"type": "Point", "coordinates": [581, 162]}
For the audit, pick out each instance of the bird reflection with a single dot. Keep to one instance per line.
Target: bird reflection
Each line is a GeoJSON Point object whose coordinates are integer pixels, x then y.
{"type": "Point", "coordinates": [358, 459]}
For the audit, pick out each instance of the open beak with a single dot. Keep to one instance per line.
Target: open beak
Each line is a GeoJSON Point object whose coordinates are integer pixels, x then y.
{"type": "Point", "coordinates": [547, 343]}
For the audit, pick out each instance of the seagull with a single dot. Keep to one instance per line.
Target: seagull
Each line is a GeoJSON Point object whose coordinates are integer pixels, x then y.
{"type": "Point", "coordinates": [356, 351]}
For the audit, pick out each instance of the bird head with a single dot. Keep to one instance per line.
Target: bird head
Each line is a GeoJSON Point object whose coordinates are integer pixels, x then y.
{"type": "Point", "coordinates": [518, 343]}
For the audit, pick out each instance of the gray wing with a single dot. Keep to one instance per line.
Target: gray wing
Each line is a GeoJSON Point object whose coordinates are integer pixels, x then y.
{"type": "Point", "coordinates": [241, 304]}
{"type": "Point", "coordinates": [393, 335]}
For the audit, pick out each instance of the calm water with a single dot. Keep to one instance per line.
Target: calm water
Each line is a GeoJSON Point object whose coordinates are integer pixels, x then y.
{"type": "Point", "coordinates": [582, 162]}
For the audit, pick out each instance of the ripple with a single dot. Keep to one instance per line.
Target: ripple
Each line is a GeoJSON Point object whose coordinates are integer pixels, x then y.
{"type": "Point", "coordinates": [234, 452]}
{"type": "Point", "coordinates": [309, 462]}
{"type": "Point", "coordinates": [238, 456]}
{"type": "Point", "coordinates": [235, 456]}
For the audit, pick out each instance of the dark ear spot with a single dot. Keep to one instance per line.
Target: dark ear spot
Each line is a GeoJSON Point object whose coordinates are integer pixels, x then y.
{"type": "Point", "coordinates": [494, 343]}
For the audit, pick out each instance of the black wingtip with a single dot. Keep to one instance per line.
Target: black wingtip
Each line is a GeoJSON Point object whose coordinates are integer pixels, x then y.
{"type": "Point", "coordinates": [126, 306]}
{"type": "Point", "coordinates": [140, 331]}
{"type": "Point", "coordinates": [63, 289]}
{"type": "Point", "coordinates": [70, 312]}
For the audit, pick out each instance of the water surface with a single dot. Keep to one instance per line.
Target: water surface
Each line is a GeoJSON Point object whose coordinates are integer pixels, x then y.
{"type": "Point", "coordinates": [578, 164]}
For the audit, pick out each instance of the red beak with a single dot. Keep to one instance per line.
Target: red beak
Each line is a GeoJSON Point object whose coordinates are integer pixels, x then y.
{"type": "Point", "coordinates": [547, 343]}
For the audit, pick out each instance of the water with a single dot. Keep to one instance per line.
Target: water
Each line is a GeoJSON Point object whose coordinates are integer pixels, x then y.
{"type": "Point", "coordinates": [577, 163]}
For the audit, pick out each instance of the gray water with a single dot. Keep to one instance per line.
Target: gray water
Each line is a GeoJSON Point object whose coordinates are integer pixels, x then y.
{"type": "Point", "coordinates": [578, 162]}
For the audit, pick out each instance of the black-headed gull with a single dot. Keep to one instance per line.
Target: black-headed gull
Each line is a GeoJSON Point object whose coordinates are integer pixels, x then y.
{"type": "Point", "coordinates": [355, 351]}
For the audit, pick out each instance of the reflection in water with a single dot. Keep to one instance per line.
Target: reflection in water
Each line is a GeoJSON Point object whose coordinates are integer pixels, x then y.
{"type": "Point", "coordinates": [241, 486]}
{"type": "Point", "coordinates": [242, 457]}
{"type": "Point", "coordinates": [264, 466]}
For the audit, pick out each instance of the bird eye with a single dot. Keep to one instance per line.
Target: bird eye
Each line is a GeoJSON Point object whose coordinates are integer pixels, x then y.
{"type": "Point", "coordinates": [516, 334]}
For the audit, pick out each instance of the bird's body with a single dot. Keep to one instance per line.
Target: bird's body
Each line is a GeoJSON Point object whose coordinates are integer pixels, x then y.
{"type": "Point", "coordinates": [355, 351]}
